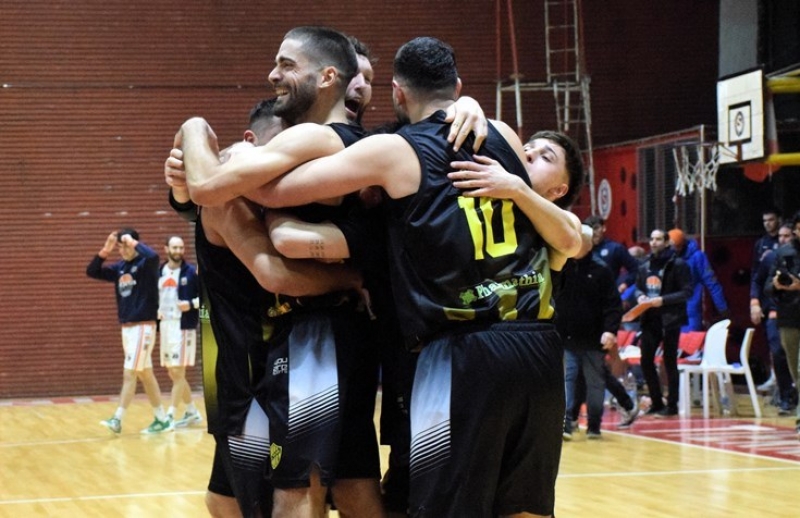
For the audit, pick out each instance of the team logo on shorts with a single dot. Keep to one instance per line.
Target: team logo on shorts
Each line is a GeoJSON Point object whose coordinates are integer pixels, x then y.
{"type": "Point", "coordinates": [281, 366]}
{"type": "Point", "coordinates": [275, 453]}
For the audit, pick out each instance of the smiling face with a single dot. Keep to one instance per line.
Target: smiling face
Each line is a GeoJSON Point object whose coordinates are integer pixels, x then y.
{"type": "Point", "coordinates": [294, 79]}
{"type": "Point", "coordinates": [547, 168]}
{"type": "Point", "coordinates": [359, 91]}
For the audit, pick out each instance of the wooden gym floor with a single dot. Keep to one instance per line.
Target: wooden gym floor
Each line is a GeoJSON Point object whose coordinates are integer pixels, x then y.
{"type": "Point", "coordinates": [56, 460]}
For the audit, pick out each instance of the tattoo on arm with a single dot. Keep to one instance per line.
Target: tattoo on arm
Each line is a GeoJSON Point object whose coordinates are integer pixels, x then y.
{"type": "Point", "coordinates": [316, 248]}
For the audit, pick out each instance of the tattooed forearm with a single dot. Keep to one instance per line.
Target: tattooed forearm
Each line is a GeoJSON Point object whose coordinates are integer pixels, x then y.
{"type": "Point", "coordinates": [316, 249]}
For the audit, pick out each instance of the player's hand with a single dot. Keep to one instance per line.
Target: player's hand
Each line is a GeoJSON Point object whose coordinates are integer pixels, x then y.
{"type": "Point", "coordinates": [184, 305]}
{"type": "Point", "coordinates": [485, 177]}
{"type": "Point", "coordinates": [174, 173]}
{"type": "Point", "coordinates": [467, 117]}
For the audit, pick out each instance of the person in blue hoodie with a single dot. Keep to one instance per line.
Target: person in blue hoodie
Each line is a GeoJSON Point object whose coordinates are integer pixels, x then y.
{"type": "Point", "coordinates": [703, 276]}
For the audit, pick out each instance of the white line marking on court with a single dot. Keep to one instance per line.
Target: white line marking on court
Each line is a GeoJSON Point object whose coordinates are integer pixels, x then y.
{"type": "Point", "coordinates": [682, 472]}
{"type": "Point", "coordinates": [99, 497]}
{"type": "Point", "coordinates": [702, 447]}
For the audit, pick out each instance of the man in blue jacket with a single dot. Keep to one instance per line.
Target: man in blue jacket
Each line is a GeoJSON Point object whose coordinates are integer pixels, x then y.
{"type": "Point", "coordinates": [178, 315]}
{"type": "Point", "coordinates": [135, 278]}
{"type": "Point", "coordinates": [613, 254]}
{"type": "Point", "coordinates": [702, 276]}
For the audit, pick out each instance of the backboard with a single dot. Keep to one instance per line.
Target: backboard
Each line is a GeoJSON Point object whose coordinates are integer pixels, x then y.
{"type": "Point", "coordinates": [740, 117]}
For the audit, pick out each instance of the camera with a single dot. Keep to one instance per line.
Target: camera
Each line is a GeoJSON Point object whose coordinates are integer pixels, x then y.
{"type": "Point", "coordinates": [784, 279]}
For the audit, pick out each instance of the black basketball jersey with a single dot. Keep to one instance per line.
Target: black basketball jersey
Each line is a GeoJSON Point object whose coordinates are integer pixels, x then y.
{"type": "Point", "coordinates": [318, 212]}
{"type": "Point", "coordinates": [235, 354]}
{"type": "Point", "coordinates": [458, 259]}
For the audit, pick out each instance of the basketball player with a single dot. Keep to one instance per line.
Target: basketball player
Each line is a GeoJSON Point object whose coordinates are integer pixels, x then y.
{"type": "Point", "coordinates": [481, 317]}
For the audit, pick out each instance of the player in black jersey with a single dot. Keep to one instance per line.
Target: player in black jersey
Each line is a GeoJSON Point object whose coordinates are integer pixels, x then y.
{"type": "Point", "coordinates": [269, 162]}
{"type": "Point", "coordinates": [472, 285]}
{"type": "Point", "coordinates": [235, 333]}
{"type": "Point", "coordinates": [303, 398]}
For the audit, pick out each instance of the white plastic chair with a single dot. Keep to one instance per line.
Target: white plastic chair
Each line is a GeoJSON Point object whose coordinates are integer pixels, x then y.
{"type": "Point", "coordinates": [713, 356]}
{"type": "Point", "coordinates": [742, 368]}
{"type": "Point", "coordinates": [715, 362]}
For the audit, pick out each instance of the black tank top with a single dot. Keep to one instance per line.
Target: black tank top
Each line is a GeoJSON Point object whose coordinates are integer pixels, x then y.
{"type": "Point", "coordinates": [458, 259]}
{"type": "Point", "coordinates": [235, 306]}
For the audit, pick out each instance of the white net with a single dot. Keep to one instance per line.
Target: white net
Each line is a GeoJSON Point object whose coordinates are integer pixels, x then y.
{"type": "Point", "coordinates": [696, 167]}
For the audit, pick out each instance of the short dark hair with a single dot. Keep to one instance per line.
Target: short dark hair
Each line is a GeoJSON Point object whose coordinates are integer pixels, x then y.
{"type": "Point", "coordinates": [262, 115]}
{"type": "Point", "coordinates": [594, 221]}
{"type": "Point", "coordinates": [328, 47]}
{"type": "Point", "coordinates": [127, 230]}
{"type": "Point", "coordinates": [362, 49]}
{"type": "Point", "coordinates": [772, 210]}
{"type": "Point", "coordinates": [574, 163]}
{"type": "Point", "coordinates": [796, 218]}
{"type": "Point", "coordinates": [426, 64]}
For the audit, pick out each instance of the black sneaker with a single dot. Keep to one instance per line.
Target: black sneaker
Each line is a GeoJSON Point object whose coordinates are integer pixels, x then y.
{"type": "Point", "coordinates": [667, 412]}
{"type": "Point", "coordinates": [653, 411]}
{"type": "Point", "coordinates": [567, 433]}
{"type": "Point", "coordinates": [593, 435]}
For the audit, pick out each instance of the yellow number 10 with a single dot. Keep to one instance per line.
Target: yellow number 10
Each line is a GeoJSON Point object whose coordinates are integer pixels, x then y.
{"type": "Point", "coordinates": [482, 232]}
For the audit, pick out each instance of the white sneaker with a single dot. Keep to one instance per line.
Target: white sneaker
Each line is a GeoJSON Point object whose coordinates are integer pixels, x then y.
{"type": "Point", "coordinates": [159, 426]}
{"type": "Point", "coordinates": [189, 418]}
{"type": "Point", "coordinates": [767, 385]}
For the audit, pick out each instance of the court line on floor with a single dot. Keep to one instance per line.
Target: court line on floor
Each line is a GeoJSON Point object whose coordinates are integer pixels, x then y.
{"type": "Point", "coordinates": [23, 501]}
{"type": "Point", "coordinates": [707, 447]}
{"type": "Point", "coordinates": [618, 474]}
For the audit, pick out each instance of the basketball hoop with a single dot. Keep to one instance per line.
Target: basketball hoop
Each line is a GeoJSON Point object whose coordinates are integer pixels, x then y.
{"type": "Point", "coordinates": [694, 171]}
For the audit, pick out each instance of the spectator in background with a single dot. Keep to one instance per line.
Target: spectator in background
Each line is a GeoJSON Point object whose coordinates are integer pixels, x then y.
{"type": "Point", "coordinates": [771, 219]}
{"type": "Point", "coordinates": [702, 277]}
{"type": "Point", "coordinates": [763, 305]}
{"type": "Point", "coordinates": [665, 283]}
{"type": "Point", "coordinates": [629, 294]}
{"type": "Point", "coordinates": [135, 279]}
{"type": "Point", "coordinates": [783, 283]}
{"type": "Point", "coordinates": [769, 242]}
{"type": "Point", "coordinates": [588, 317]}
{"type": "Point", "coordinates": [178, 315]}
{"type": "Point", "coordinates": [613, 254]}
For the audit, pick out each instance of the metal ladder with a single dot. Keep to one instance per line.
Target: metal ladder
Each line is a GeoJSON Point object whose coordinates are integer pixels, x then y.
{"type": "Point", "coordinates": [566, 77]}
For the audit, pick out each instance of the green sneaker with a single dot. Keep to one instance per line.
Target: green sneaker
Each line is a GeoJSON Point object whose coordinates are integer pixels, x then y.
{"type": "Point", "coordinates": [112, 424]}
{"type": "Point", "coordinates": [189, 418]}
{"type": "Point", "coordinates": [160, 426]}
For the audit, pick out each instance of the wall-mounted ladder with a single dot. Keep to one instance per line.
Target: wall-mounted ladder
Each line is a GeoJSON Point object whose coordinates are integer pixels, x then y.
{"type": "Point", "coordinates": [566, 75]}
